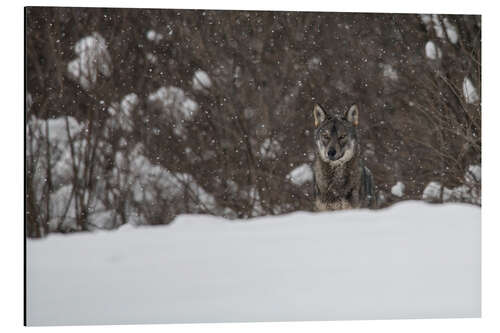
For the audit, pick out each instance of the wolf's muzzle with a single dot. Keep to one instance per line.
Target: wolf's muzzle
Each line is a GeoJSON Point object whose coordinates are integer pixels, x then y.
{"type": "Point", "coordinates": [331, 154]}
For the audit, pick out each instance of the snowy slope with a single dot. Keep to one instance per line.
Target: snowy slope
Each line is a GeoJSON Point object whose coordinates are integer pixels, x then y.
{"type": "Point", "coordinates": [414, 260]}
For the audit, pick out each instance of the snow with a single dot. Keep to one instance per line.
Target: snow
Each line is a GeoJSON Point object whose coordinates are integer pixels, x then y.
{"type": "Point", "coordinates": [60, 151]}
{"type": "Point", "coordinates": [413, 260]}
{"type": "Point", "coordinates": [152, 183]}
{"type": "Point", "coordinates": [381, 197]}
{"type": "Point", "coordinates": [469, 91]}
{"type": "Point", "coordinates": [301, 175]}
{"type": "Point", "coordinates": [451, 31]}
{"type": "Point", "coordinates": [176, 105]}
{"type": "Point", "coordinates": [174, 100]}
{"type": "Point", "coordinates": [151, 57]}
{"type": "Point", "coordinates": [270, 148]}
{"type": "Point", "coordinates": [438, 27]}
{"type": "Point", "coordinates": [467, 192]}
{"type": "Point", "coordinates": [473, 173]}
{"type": "Point", "coordinates": [426, 19]}
{"type": "Point", "coordinates": [62, 170]}
{"type": "Point", "coordinates": [93, 58]}
{"type": "Point", "coordinates": [121, 116]}
{"type": "Point", "coordinates": [398, 189]}
{"type": "Point", "coordinates": [57, 127]}
{"type": "Point", "coordinates": [148, 185]}
{"type": "Point", "coordinates": [64, 214]}
{"type": "Point", "coordinates": [432, 51]}
{"type": "Point", "coordinates": [201, 80]}
{"type": "Point", "coordinates": [129, 102]}
{"type": "Point", "coordinates": [432, 191]}
{"type": "Point", "coordinates": [434, 22]}
{"type": "Point", "coordinates": [389, 72]}
{"type": "Point", "coordinates": [314, 63]}
{"type": "Point", "coordinates": [154, 36]}
{"type": "Point", "coordinates": [61, 207]}
{"type": "Point", "coordinates": [29, 102]}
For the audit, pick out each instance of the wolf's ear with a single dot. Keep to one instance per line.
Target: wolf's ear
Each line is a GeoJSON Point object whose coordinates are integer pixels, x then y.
{"type": "Point", "coordinates": [353, 115]}
{"type": "Point", "coordinates": [319, 115]}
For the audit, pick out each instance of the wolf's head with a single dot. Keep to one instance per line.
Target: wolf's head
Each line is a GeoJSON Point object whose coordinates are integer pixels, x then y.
{"type": "Point", "coordinates": [335, 136]}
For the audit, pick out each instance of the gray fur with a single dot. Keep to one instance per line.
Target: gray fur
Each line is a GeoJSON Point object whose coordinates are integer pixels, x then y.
{"type": "Point", "coordinates": [341, 180]}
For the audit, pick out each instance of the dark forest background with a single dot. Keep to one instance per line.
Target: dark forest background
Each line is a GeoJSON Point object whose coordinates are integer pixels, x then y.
{"type": "Point", "coordinates": [136, 116]}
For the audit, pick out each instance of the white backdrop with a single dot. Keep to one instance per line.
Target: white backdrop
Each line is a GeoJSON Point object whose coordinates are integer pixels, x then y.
{"type": "Point", "coordinates": [11, 311]}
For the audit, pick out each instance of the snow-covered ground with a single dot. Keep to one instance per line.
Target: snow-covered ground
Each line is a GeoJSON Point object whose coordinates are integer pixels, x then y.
{"type": "Point", "coordinates": [413, 260]}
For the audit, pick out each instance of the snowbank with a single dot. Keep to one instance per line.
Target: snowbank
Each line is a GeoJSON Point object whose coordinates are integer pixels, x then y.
{"type": "Point", "coordinates": [414, 260]}
{"type": "Point", "coordinates": [469, 191]}
{"type": "Point", "coordinates": [432, 51]}
{"type": "Point", "coordinates": [301, 175]}
{"type": "Point", "coordinates": [93, 58]}
{"type": "Point", "coordinates": [176, 106]}
{"type": "Point", "coordinates": [469, 91]}
{"type": "Point", "coordinates": [398, 189]}
{"type": "Point", "coordinates": [201, 80]}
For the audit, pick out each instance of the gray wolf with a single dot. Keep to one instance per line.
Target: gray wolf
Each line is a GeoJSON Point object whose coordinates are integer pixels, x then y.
{"type": "Point", "coordinates": [341, 180]}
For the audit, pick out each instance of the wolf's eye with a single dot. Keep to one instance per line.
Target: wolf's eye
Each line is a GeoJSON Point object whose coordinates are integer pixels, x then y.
{"type": "Point", "coordinates": [325, 136]}
{"type": "Point", "coordinates": [342, 137]}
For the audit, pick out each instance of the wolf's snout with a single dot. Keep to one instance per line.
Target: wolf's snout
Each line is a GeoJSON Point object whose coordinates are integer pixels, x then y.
{"type": "Point", "coordinates": [331, 153]}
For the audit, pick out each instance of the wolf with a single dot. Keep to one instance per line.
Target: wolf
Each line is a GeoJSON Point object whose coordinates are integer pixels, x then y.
{"type": "Point", "coordinates": [341, 180]}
